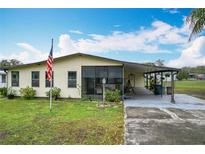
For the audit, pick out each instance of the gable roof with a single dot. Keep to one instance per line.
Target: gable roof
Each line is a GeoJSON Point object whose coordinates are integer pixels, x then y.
{"type": "Point", "coordinates": [94, 56]}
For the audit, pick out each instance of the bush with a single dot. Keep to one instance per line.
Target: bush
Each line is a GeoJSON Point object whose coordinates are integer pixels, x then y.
{"type": "Point", "coordinates": [55, 93]}
{"type": "Point", "coordinates": [3, 92]}
{"type": "Point", "coordinates": [112, 95]}
{"type": "Point", "coordinates": [27, 93]}
{"type": "Point", "coordinates": [11, 93]}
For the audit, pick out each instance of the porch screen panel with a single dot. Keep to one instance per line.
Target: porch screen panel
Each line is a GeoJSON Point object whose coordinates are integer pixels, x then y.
{"type": "Point", "coordinates": [88, 80]}
{"type": "Point", "coordinates": [114, 75]}
{"type": "Point", "coordinates": [92, 77]}
{"type": "Point", "coordinates": [101, 72]}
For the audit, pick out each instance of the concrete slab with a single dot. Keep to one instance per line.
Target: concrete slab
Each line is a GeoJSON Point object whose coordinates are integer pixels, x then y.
{"type": "Point", "coordinates": [183, 101]}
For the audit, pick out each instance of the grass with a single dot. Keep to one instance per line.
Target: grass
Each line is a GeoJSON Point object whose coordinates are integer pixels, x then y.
{"type": "Point", "coordinates": [70, 122]}
{"type": "Point", "coordinates": [195, 88]}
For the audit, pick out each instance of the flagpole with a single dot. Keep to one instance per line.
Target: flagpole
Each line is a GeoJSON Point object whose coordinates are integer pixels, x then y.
{"type": "Point", "coordinates": [50, 95]}
{"type": "Point", "coordinates": [51, 85]}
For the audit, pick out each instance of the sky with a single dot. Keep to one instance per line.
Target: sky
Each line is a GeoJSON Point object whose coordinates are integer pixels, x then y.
{"type": "Point", "coordinates": [136, 35]}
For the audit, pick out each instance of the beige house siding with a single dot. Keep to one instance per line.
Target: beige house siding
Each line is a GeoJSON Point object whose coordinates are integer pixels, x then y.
{"type": "Point", "coordinates": [60, 68]}
{"type": "Point", "coordinates": [139, 77]}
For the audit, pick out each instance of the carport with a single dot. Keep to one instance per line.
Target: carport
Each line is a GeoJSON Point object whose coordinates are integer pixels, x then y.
{"type": "Point", "coordinates": [142, 80]}
{"type": "Point", "coordinates": [154, 74]}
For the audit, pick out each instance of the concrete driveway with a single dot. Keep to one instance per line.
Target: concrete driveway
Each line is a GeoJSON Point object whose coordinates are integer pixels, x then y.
{"type": "Point", "coordinates": [158, 123]}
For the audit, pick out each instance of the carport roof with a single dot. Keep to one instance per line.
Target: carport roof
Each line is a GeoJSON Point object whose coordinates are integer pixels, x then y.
{"type": "Point", "coordinates": [143, 67]}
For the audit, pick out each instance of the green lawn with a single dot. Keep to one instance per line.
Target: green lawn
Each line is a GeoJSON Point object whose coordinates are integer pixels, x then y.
{"type": "Point", "coordinates": [194, 88]}
{"type": "Point", "coordinates": [71, 122]}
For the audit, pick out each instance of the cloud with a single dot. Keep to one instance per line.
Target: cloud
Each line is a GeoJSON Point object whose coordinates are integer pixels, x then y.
{"type": "Point", "coordinates": [66, 44]}
{"type": "Point", "coordinates": [145, 40]}
{"type": "Point", "coordinates": [171, 11]}
{"type": "Point", "coordinates": [151, 40]}
{"type": "Point", "coordinates": [193, 55]}
{"type": "Point", "coordinates": [22, 56]}
{"type": "Point", "coordinates": [32, 53]}
{"type": "Point", "coordinates": [28, 55]}
{"type": "Point", "coordinates": [29, 47]}
{"type": "Point", "coordinates": [76, 32]}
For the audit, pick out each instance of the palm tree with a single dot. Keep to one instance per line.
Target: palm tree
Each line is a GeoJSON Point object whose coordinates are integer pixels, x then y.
{"type": "Point", "coordinates": [196, 21]}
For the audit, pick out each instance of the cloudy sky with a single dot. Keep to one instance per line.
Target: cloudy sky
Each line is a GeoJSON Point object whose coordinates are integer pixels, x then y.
{"type": "Point", "coordinates": [137, 35]}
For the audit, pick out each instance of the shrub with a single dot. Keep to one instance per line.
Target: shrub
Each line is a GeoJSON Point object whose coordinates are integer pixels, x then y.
{"type": "Point", "coordinates": [3, 91]}
{"type": "Point", "coordinates": [112, 95]}
{"type": "Point", "coordinates": [11, 93]}
{"type": "Point", "coordinates": [55, 92]}
{"type": "Point", "coordinates": [27, 93]}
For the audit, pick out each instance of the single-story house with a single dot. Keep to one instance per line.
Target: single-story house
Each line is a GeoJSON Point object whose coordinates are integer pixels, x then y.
{"type": "Point", "coordinates": [2, 78]}
{"type": "Point", "coordinates": [196, 76]}
{"type": "Point", "coordinates": [80, 74]}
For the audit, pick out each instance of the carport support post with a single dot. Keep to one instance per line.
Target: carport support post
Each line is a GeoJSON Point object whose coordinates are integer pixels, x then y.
{"type": "Point", "coordinates": [155, 82]}
{"type": "Point", "coordinates": [172, 85]}
{"type": "Point", "coordinates": [148, 81]}
{"type": "Point", "coordinates": [161, 84]}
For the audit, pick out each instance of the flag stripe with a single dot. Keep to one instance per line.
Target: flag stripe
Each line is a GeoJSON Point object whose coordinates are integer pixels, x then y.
{"type": "Point", "coordinates": [49, 63]}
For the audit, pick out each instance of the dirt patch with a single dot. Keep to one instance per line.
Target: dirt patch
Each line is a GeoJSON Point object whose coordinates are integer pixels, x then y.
{"type": "Point", "coordinates": [182, 113]}
{"type": "Point", "coordinates": [146, 113]}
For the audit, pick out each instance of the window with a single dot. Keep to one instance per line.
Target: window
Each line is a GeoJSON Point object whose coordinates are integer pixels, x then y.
{"type": "Point", "coordinates": [3, 78]}
{"type": "Point", "coordinates": [47, 81]}
{"type": "Point", "coordinates": [35, 79]}
{"type": "Point", "coordinates": [14, 78]}
{"type": "Point", "coordinates": [72, 79]}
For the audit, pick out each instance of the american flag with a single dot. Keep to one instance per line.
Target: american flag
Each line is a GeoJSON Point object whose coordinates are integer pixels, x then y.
{"type": "Point", "coordinates": [49, 63]}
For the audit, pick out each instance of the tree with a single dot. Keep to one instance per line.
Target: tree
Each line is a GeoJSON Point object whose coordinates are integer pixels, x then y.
{"type": "Point", "coordinates": [183, 74]}
{"type": "Point", "coordinates": [196, 21]}
{"type": "Point", "coordinates": [15, 62]}
{"type": "Point", "coordinates": [11, 62]}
